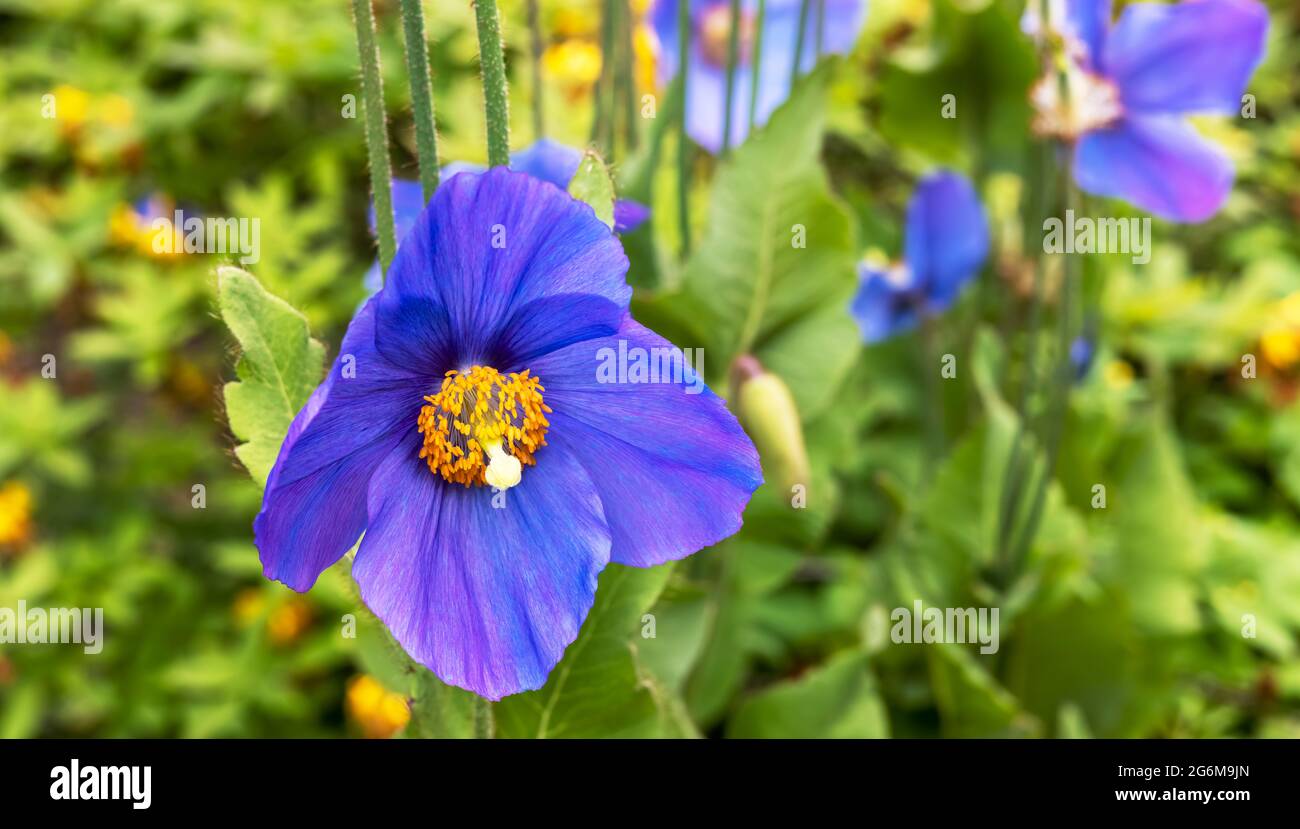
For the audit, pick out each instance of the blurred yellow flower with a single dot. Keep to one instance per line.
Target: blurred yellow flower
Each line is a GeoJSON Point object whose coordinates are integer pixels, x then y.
{"type": "Point", "coordinates": [575, 66]}
{"type": "Point", "coordinates": [71, 108]}
{"type": "Point", "coordinates": [379, 712]}
{"type": "Point", "coordinates": [15, 516]}
{"type": "Point", "coordinates": [248, 606]}
{"type": "Point", "coordinates": [575, 22]}
{"type": "Point", "coordinates": [115, 111]}
{"type": "Point", "coordinates": [1118, 374]}
{"type": "Point", "coordinates": [1280, 342]}
{"type": "Point", "coordinates": [288, 621]}
{"type": "Point", "coordinates": [284, 623]}
{"type": "Point", "coordinates": [133, 226]}
{"type": "Point", "coordinates": [645, 50]}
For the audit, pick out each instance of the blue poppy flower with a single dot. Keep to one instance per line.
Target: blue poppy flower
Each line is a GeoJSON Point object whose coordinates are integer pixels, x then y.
{"type": "Point", "coordinates": [1130, 87]}
{"type": "Point", "coordinates": [945, 244]}
{"type": "Point", "coordinates": [544, 159]}
{"type": "Point", "coordinates": [468, 430]}
{"type": "Point", "coordinates": [710, 28]}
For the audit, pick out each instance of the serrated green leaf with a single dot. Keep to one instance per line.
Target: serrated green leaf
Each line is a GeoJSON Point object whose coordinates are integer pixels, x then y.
{"type": "Point", "coordinates": [598, 689]}
{"type": "Point", "coordinates": [778, 253]}
{"type": "Point", "coordinates": [592, 184]}
{"type": "Point", "coordinates": [279, 369]}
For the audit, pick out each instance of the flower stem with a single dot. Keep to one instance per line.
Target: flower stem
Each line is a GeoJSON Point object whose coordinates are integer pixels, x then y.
{"type": "Point", "coordinates": [417, 66]}
{"type": "Point", "coordinates": [798, 41]}
{"type": "Point", "coordinates": [756, 61]}
{"type": "Point", "coordinates": [683, 140]}
{"type": "Point", "coordinates": [484, 721]}
{"type": "Point", "coordinates": [628, 62]}
{"type": "Point", "coordinates": [821, 26]}
{"type": "Point", "coordinates": [535, 45]}
{"type": "Point", "coordinates": [372, 105]}
{"type": "Point", "coordinates": [933, 392]}
{"type": "Point", "coordinates": [733, 51]}
{"type": "Point", "coordinates": [492, 59]}
{"type": "Point", "coordinates": [602, 125]}
{"type": "Point", "coordinates": [1059, 407]}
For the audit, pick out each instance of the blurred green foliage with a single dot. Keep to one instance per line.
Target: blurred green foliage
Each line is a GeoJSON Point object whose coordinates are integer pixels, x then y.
{"type": "Point", "coordinates": [1125, 620]}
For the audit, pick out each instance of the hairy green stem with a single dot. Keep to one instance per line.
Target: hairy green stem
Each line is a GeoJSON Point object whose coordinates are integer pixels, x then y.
{"type": "Point", "coordinates": [631, 134]}
{"type": "Point", "coordinates": [733, 51]}
{"type": "Point", "coordinates": [372, 106]}
{"type": "Point", "coordinates": [535, 48]}
{"type": "Point", "coordinates": [800, 33]}
{"type": "Point", "coordinates": [683, 140]}
{"type": "Point", "coordinates": [492, 60]}
{"type": "Point", "coordinates": [756, 61]}
{"type": "Point", "coordinates": [417, 67]}
{"type": "Point", "coordinates": [821, 26]}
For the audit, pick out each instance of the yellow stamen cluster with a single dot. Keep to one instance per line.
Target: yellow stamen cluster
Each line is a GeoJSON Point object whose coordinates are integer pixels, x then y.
{"type": "Point", "coordinates": [482, 425]}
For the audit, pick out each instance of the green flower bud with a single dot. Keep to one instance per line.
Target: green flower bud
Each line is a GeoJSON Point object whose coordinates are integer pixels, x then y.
{"type": "Point", "coordinates": [768, 412]}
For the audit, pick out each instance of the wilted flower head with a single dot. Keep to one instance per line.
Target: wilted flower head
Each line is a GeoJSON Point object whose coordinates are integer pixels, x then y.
{"type": "Point", "coordinates": [468, 431]}
{"type": "Point", "coordinates": [1123, 93]}
{"type": "Point", "coordinates": [946, 242]}
{"type": "Point", "coordinates": [710, 32]}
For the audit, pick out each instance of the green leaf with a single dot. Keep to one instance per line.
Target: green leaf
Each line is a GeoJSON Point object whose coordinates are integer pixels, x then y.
{"type": "Point", "coordinates": [598, 689]}
{"type": "Point", "coordinates": [838, 700]}
{"type": "Point", "coordinates": [592, 184]}
{"type": "Point", "coordinates": [279, 369]}
{"type": "Point", "coordinates": [779, 249]}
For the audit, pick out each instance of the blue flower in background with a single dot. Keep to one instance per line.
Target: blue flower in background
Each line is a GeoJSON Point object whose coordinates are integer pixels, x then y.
{"type": "Point", "coordinates": [1083, 350]}
{"type": "Point", "coordinates": [545, 159]}
{"type": "Point", "coordinates": [467, 430]}
{"type": "Point", "coordinates": [710, 25]}
{"type": "Point", "coordinates": [1130, 87]}
{"type": "Point", "coordinates": [945, 244]}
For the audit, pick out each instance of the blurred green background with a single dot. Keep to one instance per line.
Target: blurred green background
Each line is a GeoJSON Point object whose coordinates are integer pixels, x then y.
{"type": "Point", "coordinates": [1122, 621]}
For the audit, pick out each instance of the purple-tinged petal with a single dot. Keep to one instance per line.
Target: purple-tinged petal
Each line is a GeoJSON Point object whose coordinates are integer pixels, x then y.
{"type": "Point", "coordinates": [408, 201]}
{"type": "Point", "coordinates": [629, 215]}
{"type": "Point", "coordinates": [314, 506]}
{"type": "Point", "coordinates": [1194, 56]}
{"type": "Point", "coordinates": [1159, 164]}
{"type": "Point", "coordinates": [673, 467]}
{"type": "Point", "coordinates": [1089, 21]}
{"type": "Point", "coordinates": [549, 161]}
{"type": "Point", "coordinates": [707, 87]}
{"type": "Point", "coordinates": [884, 304]}
{"type": "Point", "coordinates": [947, 237]}
{"type": "Point", "coordinates": [488, 245]}
{"type": "Point", "coordinates": [487, 597]}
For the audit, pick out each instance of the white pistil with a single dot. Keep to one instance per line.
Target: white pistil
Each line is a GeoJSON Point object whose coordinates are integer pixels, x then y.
{"type": "Point", "coordinates": [1091, 103]}
{"type": "Point", "coordinates": [503, 469]}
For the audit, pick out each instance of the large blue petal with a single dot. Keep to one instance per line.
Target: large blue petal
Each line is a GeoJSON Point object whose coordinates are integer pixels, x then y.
{"type": "Point", "coordinates": [314, 506]}
{"type": "Point", "coordinates": [1194, 56]}
{"type": "Point", "coordinates": [488, 598]}
{"type": "Point", "coordinates": [488, 245]}
{"type": "Point", "coordinates": [673, 467]}
{"type": "Point", "coordinates": [1158, 164]}
{"type": "Point", "coordinates": [947, 237]}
